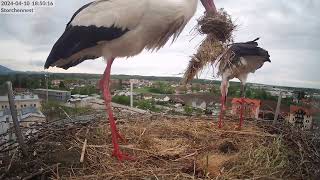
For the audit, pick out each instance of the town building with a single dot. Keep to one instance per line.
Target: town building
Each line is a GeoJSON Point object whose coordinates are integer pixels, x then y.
{"type": "Point", "coordinates": [54, 95]}
{"type": "Point", "coordinates": [78, 100]}
{"type": "Point", "coordinates": [56, 82]}
{"type": "Point", "coordinates": [251, 107]}
{"type": "Point", "coordinates": [268, 108]}
{"type": "Point", "coordinates": [301, 117]}
{"type": "Point", "coordinates": [21, 101]}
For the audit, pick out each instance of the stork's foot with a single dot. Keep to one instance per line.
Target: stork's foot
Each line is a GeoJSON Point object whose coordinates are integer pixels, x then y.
{"type": "Point", "coordinates": [121, 156]}
{"type": "Point", "coordinates": [220, 125]}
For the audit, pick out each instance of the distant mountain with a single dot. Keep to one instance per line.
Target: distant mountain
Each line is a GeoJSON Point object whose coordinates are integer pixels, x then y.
{"type": "Point", "coordinates": [5, 70]}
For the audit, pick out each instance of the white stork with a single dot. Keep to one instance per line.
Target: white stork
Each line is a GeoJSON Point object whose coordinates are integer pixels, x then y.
{"type": "Point", "coordinates": [120, 28]}
{"type": "Point", "coordinates": [238, 61]}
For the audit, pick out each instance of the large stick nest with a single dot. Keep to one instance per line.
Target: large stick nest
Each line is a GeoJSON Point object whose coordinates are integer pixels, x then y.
{"type": "Point", "coordinates": [166, 147]}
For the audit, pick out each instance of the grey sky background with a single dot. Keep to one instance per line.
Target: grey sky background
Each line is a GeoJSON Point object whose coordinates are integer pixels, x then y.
{"type": "Point", "coordinates": [289, 30]}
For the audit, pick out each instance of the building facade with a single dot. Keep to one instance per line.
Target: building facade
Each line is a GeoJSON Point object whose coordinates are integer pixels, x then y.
{"type": "Point", "coordinates": [55, 95]}
{"type": "Point", "coordinates": [301, 117]}
{"type": "Point", "coordinates": [21, 101]}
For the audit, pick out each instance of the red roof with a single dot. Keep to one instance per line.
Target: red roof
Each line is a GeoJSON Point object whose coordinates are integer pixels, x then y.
{"type": "Point", "coordinates": [297, 108]}
{"type": "Point", "coordinates": [256, 102]}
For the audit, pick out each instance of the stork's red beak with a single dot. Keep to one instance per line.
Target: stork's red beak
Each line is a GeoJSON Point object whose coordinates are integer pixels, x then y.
{"type": "Point", "coordinates": [209, 6]}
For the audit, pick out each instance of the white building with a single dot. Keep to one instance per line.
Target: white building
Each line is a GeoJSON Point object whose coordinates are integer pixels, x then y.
{"type": "Point", "coordinates": [301, 117]}
{"type": "Point", "coordinates": [21, 101]}
{"type": "Point", "coordinates": [199, 104]}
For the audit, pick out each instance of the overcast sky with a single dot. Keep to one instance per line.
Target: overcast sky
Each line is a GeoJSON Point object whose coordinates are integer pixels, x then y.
{"type": "Point", "coordinates": [289, 30]}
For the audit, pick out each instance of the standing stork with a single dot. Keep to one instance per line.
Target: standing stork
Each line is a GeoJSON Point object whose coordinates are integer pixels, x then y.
{"type": "Point", "coordinates": [120, 28]}
{"type": "Point", "coordinates": [238, 61]}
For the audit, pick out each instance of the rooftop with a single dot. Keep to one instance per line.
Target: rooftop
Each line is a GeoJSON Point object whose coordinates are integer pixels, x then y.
{"type": "Point", "coordinates": [52, 90]}
{"type": "Point", "coordinates": [24, 112]}
{"type": "Point", "coordinates": [20, 98]}
{"type": "Point", "coordinates": [256, 102]}
{"type": "Point", "coordinates": [307, 110]}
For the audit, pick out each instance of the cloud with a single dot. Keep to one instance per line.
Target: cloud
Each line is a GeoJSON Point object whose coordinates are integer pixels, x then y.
{"type": "Point", "coordinates": [289, 30]}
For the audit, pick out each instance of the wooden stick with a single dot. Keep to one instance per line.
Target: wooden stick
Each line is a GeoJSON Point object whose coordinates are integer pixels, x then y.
{"type": "Point", "coordinates": [186, 156]}
{"type": "Point", "coordinates": [66, 114]}
{"type": "Point", "coordinates": [13, 156]}
{"type": "Point", "coordinates": [14, 115]}
{"type": "Point", "coordinates": [84, 148]}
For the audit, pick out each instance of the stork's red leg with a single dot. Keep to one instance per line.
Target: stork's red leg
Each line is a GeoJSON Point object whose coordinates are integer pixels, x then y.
{"type": "Point", "coordinates": [223, 101]}
{"type": "Point", "coordinates": [107, 98]}
{"type": "Point", "coordinates": [241, 112]}
{"type": "Point", "coordinates": [221, 113]}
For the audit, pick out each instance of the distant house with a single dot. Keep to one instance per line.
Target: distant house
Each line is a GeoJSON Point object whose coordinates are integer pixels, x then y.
{"type": "Point", "coordinates": [201, 101]}
{"type": "Point", "coordinates": [199, 104]}
{"type": "Point", "coordinates": [147, 96]}
{"type": "Point", "coordinates": [251, 107]}
{"type": "Point", "coordinates": [21, 101]}
{"type": "Point", "coordinates": [124, 93]}
{"type": "Point", "coordinates": [301, 117]}
{"type": "Point", "coordinates": [162, 99]}
{"type": "Point", "coordinates": [55, 95]}
{"type": "Point", "coordinates": [56, 82]}
{"type": "Point", "coordinates": [81, 100]}
{"type": "Point", "coordinates": [268, 108]}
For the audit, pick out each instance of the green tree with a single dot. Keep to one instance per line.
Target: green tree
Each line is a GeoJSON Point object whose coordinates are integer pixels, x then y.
{"type": "Point", "coordinates": [249, 93]}
{"type": "Point", "coordinates": [124, 100]}
{"type": "Point", "coordinates": [61, 85]}
{"type": "Point", "coordinates": [162, 88]}
{"type": "Point", "coordinates": [188, 110]}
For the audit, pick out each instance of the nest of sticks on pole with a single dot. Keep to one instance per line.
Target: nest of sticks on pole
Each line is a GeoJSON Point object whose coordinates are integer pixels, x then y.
{"type": "Point", "coordinates": [165, 147]}
{"type": "Point", "coordinates": [218, 28]}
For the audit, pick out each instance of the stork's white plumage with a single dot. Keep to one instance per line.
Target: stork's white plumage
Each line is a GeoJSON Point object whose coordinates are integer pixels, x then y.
{"type": "Point", "coordinates": [120, 28]}
{"type": "Point", "coordinates": [238, 61]}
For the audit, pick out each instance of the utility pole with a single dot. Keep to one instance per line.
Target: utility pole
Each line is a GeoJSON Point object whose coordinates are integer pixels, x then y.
{"type": "Point", "coordinates": [131, 92]}
{"type": "Point", "coordinates": [47, 87]}
{"type": "Point", "coordinates": [275, 120]}
{"type": "Point", "coordinates": [15, 120]}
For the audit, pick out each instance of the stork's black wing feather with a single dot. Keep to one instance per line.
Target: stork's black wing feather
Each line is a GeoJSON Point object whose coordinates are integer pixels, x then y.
{"type": "Point", "coordinates": [77, 39]}
{"type": "Point", "coordinates": [248, 49]}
